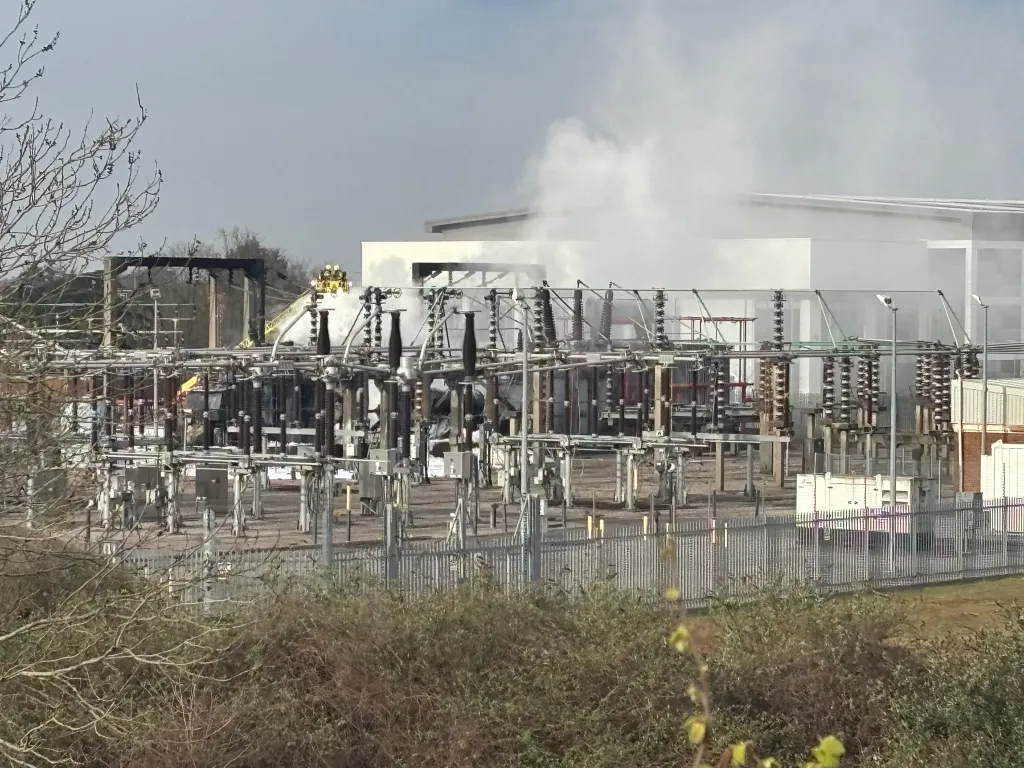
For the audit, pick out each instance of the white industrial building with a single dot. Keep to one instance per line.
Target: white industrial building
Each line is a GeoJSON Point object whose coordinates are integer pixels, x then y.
{"type": "Point", "coordinates": [847, 248]}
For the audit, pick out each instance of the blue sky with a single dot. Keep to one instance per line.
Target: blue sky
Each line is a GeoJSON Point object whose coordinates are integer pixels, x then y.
{"type": "Point", "coordinates": [321, 123]}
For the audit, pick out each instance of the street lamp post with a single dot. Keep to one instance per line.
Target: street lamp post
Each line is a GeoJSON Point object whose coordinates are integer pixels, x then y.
{"type": "Point", "coordinates": [887, 302]}
{"type": "Point", "coordinates": [984, 386]}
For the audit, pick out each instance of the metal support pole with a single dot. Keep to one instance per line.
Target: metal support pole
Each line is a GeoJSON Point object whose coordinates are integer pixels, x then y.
{"type": "Point", "coordinates": [327, 541]}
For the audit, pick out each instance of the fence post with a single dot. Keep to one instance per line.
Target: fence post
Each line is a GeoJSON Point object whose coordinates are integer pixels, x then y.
{"type": "Point", "coordinates": [392, 550]}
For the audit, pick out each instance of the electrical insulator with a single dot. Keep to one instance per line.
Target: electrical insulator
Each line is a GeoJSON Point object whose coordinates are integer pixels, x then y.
{"type": "Point", "coordinates": [778, 325]}
{"type": "Point", "coordinates": [548, 316]}
{"type": "Point", "coordinates": [606, 318]}
{"type": "Point", "coordinates": [660, 336]}
{"type": "Point", "coordinates": [875, 380]}
{"type": "Point", "coordinates": [972, 369]}
{"type": "Point", "coordinates": [492, 319]}
{"type": "Point", "coordinates": [577, 315]}
{"type": "Point", "coordinates": [429, 297]}
{"type": "Point", "coordinates": [919, 376]}
{"type": "Point", "coordinates": [845, 389]}
{"type": "Point", "coordinates": [442, 303]}
{"type": "Point", "coordinates": [828, 386]}
{"type": "Point", "coordinates": [378, 318]}
{"type": "Point", "coordinates": [538, 319]}
{"type": "Point", "coordinates": [367, 318]}
{"type": "Point", "coordinates": [718, 405]}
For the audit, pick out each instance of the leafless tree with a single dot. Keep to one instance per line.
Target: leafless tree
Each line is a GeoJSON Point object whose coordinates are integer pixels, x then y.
{"type": "Point", "coordinates": [80, 639]}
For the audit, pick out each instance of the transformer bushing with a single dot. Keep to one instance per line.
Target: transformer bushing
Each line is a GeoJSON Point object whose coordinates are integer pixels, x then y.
{"type": "Point", "coordinates": [538, 319]}
{"type": "Point", "coordinates": [845, 389]}
{"type": "Point", "coordinates": [780, 401]}
{"type": "Point", "coordinates": [577, 315]}
{"type": "Point", "coordinates": [605, 328]}
{"type": "Point", "coordinates": [875, 380]}
{"type": "Point", "coordinates": [492, 319]}
{"type": "Point", "coordinates": [919, 376]}
{"type": "Point", "coordinates": [828, 387]}
{"type": "Point", "coordinates": [863, 382]}
{"type": "Point", "coordinates": [378, 319]}
{"type": "Point", "coordinates": [550, 336]}
{"type": "Point", "coordinates": [442, 303]}
{"type": "Point", "coordinates": [940, 389]}
{"type": "Point", "coordinates": [367, 318]}
{"type": "Point", "coordinates": [764, 385]}
{"type": "Point", "coordinates": [718, 404]}
{"type": "Point", "coordinates": [928, 380]}
{"type": "Point", "coordinates": [660, 336]}
{"type": "Point", "coordinates": [972, 368]}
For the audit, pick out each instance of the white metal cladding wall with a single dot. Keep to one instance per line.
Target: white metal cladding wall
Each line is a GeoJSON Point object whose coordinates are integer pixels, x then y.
{"type": "Point", "coordinates": [1003, 472]}
{"type": "Point", "coordinates": [1005, 402]}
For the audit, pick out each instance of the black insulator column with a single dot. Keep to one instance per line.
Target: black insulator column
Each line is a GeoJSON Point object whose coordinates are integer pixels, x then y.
{"type": "Point", "coordinates": [469, 367]}
{"type": "Point", "coordinates": [295, 404]}
{"type": "Point", "coordinates": [549, 318]}
{"type": "Point", "coordinates": [207, 426]}
{"type": "Point", "coordinates": [577, 315]}
{"type": "Point", "coordinates": [246, 417]}
{"type": "Point", "coordinates": [168, 415]}
{"type": "Point", "coordinates": [230, 404]}
{"type": "Point", "coordinates": [318, 408]}
{"type": "Point", "coordinates": [592, 392]}
{"type": "Point", "coordinates": [323, 335]}
{"type": "Point", "coordinates": [282, 414]}
{"type": "Point", "coordinates": [257, 415]}
{"type": "Point", "coordinates": [94, 436]}
{"type": "Point", "coordinates": [405, 423]}
{"type": "Point", "coordinates": [328, 420]}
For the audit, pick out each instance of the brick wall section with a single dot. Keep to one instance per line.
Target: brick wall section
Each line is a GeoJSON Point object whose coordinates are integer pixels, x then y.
{"type": "Point", "coordinates": [972, 447]}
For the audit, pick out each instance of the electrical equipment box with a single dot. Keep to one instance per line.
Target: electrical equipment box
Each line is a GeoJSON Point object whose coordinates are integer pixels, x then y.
{"type": "Point", "coordinates": [145, 478]}
{"type": "Point", "coordinates": [211, 483]}
{"type": "Point", "coordinates": [371, 485]}
{"type": "Point", "coordinates": [49, 484]}
{"type": "Point", "coordinates": [458, 465]}
{"type": "Point", "coordinates": [855, 502]}
{"type": "Point", "coordinates": [382, 461]}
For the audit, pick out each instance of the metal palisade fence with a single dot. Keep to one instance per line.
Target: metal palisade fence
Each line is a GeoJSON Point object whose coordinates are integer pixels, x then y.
{"type": "Point", "coordinates": [831, 552]}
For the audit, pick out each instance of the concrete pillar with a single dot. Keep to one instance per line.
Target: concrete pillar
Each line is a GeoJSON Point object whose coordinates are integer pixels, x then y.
{"type": "Point", "coordinates": [779, 464]}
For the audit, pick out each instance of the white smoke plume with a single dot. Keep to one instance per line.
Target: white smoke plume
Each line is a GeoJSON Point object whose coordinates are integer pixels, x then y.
{"type": "Point", "coordinates": [696, 103]}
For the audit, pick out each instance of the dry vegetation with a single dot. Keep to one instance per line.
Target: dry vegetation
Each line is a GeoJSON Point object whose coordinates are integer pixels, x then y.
{"type": "Point", "coordinates": [114, 675]}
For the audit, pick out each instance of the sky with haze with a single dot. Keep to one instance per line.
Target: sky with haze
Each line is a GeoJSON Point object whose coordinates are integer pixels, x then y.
{"type": "Point", "coordinates": [323, 123]}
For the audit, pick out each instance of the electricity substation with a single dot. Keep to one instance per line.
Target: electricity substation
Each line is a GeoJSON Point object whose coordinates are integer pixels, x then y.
{"type": "Point", "coordinates": [477, 400]}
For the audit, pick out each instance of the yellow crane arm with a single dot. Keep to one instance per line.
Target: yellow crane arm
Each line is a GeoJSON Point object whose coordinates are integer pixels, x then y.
{"type": "Point", "coordinates": [331, 280]}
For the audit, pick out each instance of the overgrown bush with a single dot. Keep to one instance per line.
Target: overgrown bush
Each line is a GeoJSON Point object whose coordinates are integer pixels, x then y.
{"type": "Point", "coordinates": [472, 679]}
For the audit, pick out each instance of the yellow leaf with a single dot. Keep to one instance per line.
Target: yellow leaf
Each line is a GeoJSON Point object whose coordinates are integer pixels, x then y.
{"type": "Point", "coordinates": [672, 594]}
{"type": "Point", "coordinates": [694, 694]}
{"type": "Point", "coordinates": [829, 752]}
{"type": "Point", "coordinates": [696, 729]}
{"type": "Point", "coordinates": [680, 639]}
{"type": "Point", "coordinates": [739, 754]}
{"type": "Point", "coordinates": [768, 762]}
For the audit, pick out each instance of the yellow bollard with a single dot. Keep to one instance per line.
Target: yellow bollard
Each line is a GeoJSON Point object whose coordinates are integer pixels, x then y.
{"type": "Point", "coordinates": [590, 526]}
{"type": "Point", "coordinates": [348, 498]}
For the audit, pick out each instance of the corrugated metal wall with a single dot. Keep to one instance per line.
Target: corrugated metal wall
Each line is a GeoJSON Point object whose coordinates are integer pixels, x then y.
{"type": "Point", "coordinates": [1005, 402]}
